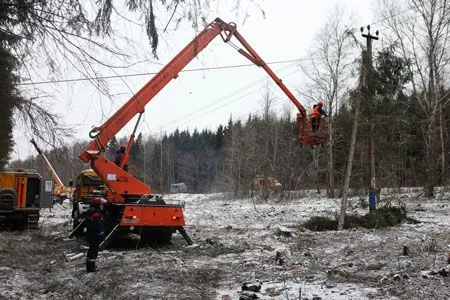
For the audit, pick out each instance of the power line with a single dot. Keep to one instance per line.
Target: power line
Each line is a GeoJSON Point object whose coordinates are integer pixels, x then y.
{"type": "Point", "coordinates": [221, 99]}
{"type": "Point", "coordinates": [154, 73]}
{"type": "Point", "coordinates": [180, 120]}
{"type": "Point", "coordinates": [395, 14]}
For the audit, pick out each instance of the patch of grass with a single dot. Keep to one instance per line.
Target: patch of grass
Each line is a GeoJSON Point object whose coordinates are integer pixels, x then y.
{"type": "Point", "coordinates": [320, 224]}
{"type": "Point", "coordinates": [386, 216]}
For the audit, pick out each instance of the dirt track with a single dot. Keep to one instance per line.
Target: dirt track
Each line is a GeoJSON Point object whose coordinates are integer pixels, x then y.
{"type": "Point", "coordinates": [237, 242]}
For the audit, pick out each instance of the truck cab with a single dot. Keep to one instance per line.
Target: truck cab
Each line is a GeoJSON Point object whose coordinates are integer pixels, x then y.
{"type": "Point", "coordinates": [87, 183]}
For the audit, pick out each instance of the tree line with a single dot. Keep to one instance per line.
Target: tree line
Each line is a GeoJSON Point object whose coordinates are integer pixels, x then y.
{"type": "Point", "coordinates": [52, 38]}
{"type": "Point", "coordinates": [227, 159]}
{"type": "Point", "coordinates": [388, 116]}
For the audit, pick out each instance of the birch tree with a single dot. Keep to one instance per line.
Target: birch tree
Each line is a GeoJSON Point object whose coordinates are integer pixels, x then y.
{"type": "Point", "coordinates": [328, 71]}
{"type": "Point", "coordinates": [348, 173]}
{"type": "Point", "coordinates": [422, 30]}
{"type": "Point", "coordinates": [51, 38]}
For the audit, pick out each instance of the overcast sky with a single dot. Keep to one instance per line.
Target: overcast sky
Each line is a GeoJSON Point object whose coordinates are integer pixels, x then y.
{"type": "Point", "coordinates": [207, 98]}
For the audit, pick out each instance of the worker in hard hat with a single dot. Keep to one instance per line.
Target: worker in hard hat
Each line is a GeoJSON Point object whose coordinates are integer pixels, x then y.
{"type": "Point", "coordinates": [316, 115]}
{"type": "Point", "coordinates": [120, 156]}
{"type": "Point", "coordinates": [95, 233]}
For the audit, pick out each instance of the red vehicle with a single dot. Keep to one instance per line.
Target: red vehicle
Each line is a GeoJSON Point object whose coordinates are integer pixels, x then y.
{"type": "Point", "coordinates": [131, 205]}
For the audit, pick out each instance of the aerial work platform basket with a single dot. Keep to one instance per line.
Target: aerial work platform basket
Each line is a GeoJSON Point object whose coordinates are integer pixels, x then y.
{"type": "Point", "coordinates": [309, 137]}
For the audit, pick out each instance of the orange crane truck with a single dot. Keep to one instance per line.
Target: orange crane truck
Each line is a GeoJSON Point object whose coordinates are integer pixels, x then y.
{"type": "Point", "coordinates": [131, 206]}
{"type": "Point", "coordinates": [60, 192]}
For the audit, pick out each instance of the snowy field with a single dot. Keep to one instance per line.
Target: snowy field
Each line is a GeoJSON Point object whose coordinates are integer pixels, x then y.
{"type": "Point", "coordinates": [251, 241]}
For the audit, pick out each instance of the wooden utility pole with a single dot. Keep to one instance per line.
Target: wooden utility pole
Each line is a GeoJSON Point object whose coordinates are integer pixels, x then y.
{"type": "Point", "coordinates": [368, 87]}
{"type": "Point", "coordinates": [360, 95]}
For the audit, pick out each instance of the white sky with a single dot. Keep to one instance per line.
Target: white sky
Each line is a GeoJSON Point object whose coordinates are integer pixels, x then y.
{"type": "Point", "coordinates": [205, 99]}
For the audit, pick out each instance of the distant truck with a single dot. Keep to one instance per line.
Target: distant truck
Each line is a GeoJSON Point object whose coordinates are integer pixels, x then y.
{"type": "Point", "coordinates": [20, 195]}
{"type": "Point", "coordinates": [178, 188]}
{"type": "Point", "coordinates": [268, 184]}
{"type": "Point", "coordinates": [87, 184]}
{"type": "Point", "coordinates": [60, 192]}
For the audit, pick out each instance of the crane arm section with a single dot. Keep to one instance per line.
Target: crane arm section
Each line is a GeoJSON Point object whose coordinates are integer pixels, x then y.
{"type": "Point", "coordinates": [104, 133]}
{"type": "Point", "coordinates": [257, 60]}
{"type": "Point", "coordinates": [52, 171]}
{"type": "Point", "coordinates": [120, 182]}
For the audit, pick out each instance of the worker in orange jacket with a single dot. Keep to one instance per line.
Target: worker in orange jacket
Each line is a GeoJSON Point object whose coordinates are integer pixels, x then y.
{"type": "Point", "coordinates": [316, 114]}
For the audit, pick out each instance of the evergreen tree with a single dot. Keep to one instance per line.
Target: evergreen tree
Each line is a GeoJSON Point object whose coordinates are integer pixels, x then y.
{"type": "Point", "coordinates": [137, 157]}
{"type": "Point", "coordinates": [390, 114]}
{"type": "Point", "coordinates": [219, 137]}
{"type": "Point", "coordinates": [111, 150]}
{"type": "Point", "coordinates": [9, 97]}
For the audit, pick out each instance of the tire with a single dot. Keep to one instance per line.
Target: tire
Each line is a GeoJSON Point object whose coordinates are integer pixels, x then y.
{"type": "Point", "coordinates": [155, 237]}
{"type": "Point", "coordinates": [7, 199]}
{"type": "Point", "coordinates": [21, 221]}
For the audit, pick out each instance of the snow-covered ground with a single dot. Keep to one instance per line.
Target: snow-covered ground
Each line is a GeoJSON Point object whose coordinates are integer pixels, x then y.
{"type": "Point", "coordinates": [237, 242]}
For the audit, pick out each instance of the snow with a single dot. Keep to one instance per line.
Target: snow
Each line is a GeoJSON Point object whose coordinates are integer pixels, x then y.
{"type": "Point", "coordinates": [237, 241]}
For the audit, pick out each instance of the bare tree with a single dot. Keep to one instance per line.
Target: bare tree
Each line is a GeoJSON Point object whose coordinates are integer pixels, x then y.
{"type": "Point", "coordinates": [328, 71]}
{"type": "Point", "coordinates": [270, 139]}
{"type": "Point", "coordinates": [422, 29]}
{"type": "Point", "coordinates": [80, 38]}
{"type": "Point", "coordinates": [362, 90]}
{"type": "Point", "coordinates": [349, 167]}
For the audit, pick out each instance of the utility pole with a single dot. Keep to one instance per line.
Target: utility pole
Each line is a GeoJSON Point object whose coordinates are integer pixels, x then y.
{"type": "Point", "coordinates": [368, 87]}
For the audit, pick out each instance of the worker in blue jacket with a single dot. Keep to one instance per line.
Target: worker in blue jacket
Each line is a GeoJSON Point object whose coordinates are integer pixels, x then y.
{"type": "Point", "coordinates": [95, 233]}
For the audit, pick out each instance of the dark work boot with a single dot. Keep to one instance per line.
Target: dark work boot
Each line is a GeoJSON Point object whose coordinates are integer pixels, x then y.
{"type": "Point", "coordinates": [90, 266]}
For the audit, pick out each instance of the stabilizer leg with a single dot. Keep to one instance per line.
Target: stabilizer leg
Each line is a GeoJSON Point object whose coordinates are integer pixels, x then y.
{"type": "Point", "coordinates": [183, 233]}
{"type": "Point", "coordinates": [109, 238]}
{"type": "Point", "coordinates": [78, 228]}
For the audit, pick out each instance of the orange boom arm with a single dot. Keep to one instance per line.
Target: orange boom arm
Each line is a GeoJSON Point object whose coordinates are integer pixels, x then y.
{"type": "Point", "coordinates": [119, 182]}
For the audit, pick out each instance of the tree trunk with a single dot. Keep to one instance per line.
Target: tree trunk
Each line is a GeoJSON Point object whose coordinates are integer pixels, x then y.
{"type": "Point", "coordinates": [372, 158]}
{"type": "Point", "coordinates": [430, 180]}
{"type": "Point", "coordinates": [315, 156]}
{"type": "Point", "coordinates": [331, 187]}
{"type": "Point", "coordinates": [442, 141]}
{"type": "Point", "coordinates": [431, 150]}
{"type": "Point", "coordinates": [349, 169]}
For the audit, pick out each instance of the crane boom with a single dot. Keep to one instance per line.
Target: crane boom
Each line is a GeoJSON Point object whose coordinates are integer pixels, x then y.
{"type": "Point", "coordinates": [60, 192]}
{"type": "Point", "coordinates": [119, 182]}
{"type": "Point", "coordinates": [136, 104]}
{"type": "Point", "coordinates": [52, 171]}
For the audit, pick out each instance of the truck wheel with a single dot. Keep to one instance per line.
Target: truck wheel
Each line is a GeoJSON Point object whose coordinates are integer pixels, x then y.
{"type": "Point", "coordinates": [165, 238]}
{"type": "Point", "coordinates": [7, 199]}
{"type": "Point", "coordinates": [155, 237]}
{"type": "Point", "coordinates": [20, 220]}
